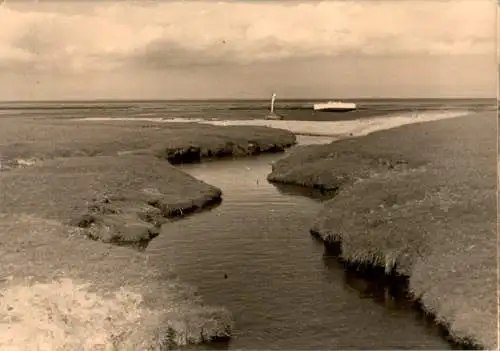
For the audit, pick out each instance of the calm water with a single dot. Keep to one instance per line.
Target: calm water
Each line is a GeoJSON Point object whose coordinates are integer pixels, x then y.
{"type": "Point", "coordinates": [231, 110]}
{"type": "Point", "coordinates": [284, 290]}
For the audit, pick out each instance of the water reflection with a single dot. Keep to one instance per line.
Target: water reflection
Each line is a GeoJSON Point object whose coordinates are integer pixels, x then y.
{"type": "Point", "coordinates": [374, 287]}
{"type": "Point", "coordinates": [311, 193]}
{"type": "Point", "coordinates": [282, 292]}
{"type": "Point", "coordinates": [380, 289]}
{"type": "Point", "coordinates": [214, 345]}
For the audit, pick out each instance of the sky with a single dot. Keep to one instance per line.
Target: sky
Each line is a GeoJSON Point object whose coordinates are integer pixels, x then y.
{"type": "Point", "coordinates": [247, 49]}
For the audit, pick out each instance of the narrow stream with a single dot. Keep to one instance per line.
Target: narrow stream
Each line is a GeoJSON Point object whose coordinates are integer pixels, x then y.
{"type": "Point", "coordinates": [253, 254]}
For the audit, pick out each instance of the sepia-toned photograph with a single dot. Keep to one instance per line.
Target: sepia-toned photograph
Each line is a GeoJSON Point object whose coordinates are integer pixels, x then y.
{"type": "Point", "coordinates": [249, 175]}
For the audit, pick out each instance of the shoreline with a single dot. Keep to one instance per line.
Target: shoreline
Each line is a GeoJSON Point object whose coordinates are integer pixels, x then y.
{"type": "Point", "coordinates": [115, 184]}
{"type": "Point", "coordinates": [323, 128]}
{"type": "Point", "coordinates": [393, 189]}
{"type": "Point", "coordinates": [398, 286]}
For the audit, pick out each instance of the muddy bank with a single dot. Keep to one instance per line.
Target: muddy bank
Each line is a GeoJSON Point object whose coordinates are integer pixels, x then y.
{"type": "Point", "coordinates": [62, 181]}
{"type": "Point", "coordinates": [419, 201]}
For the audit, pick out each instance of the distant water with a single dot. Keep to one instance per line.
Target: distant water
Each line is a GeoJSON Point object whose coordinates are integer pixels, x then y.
{"type": "Point", "coordinates": [300, 110]}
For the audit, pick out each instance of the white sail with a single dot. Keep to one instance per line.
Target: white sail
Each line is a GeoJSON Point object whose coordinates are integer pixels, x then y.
{"type": "Point", "coordinates": [272, 114]}
{"type": "Point", "coordinates": [273, 98]}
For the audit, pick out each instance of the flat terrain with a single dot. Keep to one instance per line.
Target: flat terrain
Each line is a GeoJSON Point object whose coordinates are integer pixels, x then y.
{"type": "Point", "coordinates": [64, 182]}
{"type": "Point", "coordinates": [114, 180]}
{"type": "Point", "coordinates": [45, 139]}
{"type": "Point", "coordinates": [419, 200]}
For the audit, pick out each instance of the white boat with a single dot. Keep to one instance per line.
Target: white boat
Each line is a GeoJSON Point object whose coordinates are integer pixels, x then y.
{"type": "Point", "coordinates": [272, 114]}
{"type": "Point", "coordinates": [335, 106]}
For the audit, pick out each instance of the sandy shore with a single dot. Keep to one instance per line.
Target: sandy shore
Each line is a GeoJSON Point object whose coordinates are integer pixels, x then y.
{"type": "Point", "coordinates": [62, 182]}
{"type": "Point", "coordinates": [418, 200]}
{"type": "Point", "coordinates": [337, 128]}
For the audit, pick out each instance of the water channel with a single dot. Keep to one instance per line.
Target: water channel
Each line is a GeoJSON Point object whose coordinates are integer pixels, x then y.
{"type": "Point", "coordinates": [254, 255]}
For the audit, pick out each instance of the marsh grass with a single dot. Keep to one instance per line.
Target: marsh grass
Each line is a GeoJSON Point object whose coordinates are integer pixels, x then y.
{"type": "Point", "coordinates": [47, 139]}
{"type": "Point", "coordinates": [431, 219]}
{"type": "Point", "coordinates": [65, 293]}
{"type": "Point", "coordinates": [64, 179]}
{"type": "Point", "coordinates": [66, 169]}
{"type": "Point", "coordinates": [108, 195]}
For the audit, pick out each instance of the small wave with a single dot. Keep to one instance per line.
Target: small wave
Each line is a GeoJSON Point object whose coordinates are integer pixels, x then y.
{"type": "Point", "coordinates": [22, 162]}
{"type": "Point", "coordinates": [8, 164]}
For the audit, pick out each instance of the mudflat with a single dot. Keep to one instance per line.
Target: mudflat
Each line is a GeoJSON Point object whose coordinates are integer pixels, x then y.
{"type": "Point", "coordinates": [420, 201]}
{"type": "Point", "coordinates": [71, 190]}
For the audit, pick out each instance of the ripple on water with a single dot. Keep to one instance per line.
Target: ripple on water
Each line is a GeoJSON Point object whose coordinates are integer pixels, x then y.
{"type": "Point", "coordinates": [253, 254]}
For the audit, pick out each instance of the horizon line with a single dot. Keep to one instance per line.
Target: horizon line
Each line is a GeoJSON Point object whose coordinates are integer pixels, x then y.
{"type": "Point", "coordinates": [247, 99]}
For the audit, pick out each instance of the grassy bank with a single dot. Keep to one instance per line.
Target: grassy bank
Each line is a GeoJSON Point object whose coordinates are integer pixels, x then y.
{"type": "Point", "coordinates": [113, 199]}
{"type": "Point", "coordinates": [420, 201]}
{"type": "Point", "coordinates": [110, 178]}
{"type": "Point", "coordinates": [60, 292]}
{"type": "Point", "coordinates": [175, 142]}
{"type": "Point", "coordinates": [62, 181]}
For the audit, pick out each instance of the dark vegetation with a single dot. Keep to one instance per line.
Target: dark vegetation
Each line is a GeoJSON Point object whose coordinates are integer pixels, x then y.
{"type": "Point", "coordinates": [418, 201]}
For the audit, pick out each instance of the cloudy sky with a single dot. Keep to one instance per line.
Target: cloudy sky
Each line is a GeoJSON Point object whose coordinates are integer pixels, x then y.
{"type": "Point", "coordinates": [247, 49]}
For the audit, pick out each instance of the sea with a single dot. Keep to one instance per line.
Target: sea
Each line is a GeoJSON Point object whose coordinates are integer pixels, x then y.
{"type": "Point", "coordinates": [300, 110]}
{"type": "Point", "coordinates": [298, 115]}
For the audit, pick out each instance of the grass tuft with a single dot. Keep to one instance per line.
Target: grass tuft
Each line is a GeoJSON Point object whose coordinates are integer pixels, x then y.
{"type": "Point", "coordinates": [430, 218]}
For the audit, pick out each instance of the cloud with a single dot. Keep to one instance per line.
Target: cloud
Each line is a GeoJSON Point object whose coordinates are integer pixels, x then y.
{"type": "Point", "coordinates": [159, 35]}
